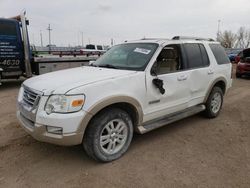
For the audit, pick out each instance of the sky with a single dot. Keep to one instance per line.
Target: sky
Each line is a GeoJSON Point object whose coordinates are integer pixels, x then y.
{"type": "Point", "coordinates": [98, 21]}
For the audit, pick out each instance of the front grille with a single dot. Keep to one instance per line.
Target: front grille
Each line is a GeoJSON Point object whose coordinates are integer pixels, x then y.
{"type": "Point", "coordinates": [30, 97]}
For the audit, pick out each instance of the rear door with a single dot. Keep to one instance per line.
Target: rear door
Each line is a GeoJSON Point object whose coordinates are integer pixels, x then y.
{"type": "Point", "coordinates": [200, 71]}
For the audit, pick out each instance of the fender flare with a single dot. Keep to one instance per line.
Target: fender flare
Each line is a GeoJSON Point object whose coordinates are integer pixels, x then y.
{"type": "Point", "coordinates": [111, 100]}
{"type": "Point", "coordinates": [212, 85]}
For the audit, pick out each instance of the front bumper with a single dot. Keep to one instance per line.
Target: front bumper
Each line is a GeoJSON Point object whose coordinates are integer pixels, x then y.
{"type": "Point", "coordinates": [35, 122]}
{"type": "Point", "coordinates": [39, 132]}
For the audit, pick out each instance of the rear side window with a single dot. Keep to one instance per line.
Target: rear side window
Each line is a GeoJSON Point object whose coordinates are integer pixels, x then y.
{"type": "Point", "coordinates": [7, 28]}
{"type": "Point", "coordinates": [196, 55]}
{"type": "Point", "coordinates": [219, 54]}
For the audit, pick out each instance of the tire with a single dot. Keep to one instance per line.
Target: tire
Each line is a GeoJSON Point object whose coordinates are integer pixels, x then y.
{"type": "Point", "coordinates": [114, 144]}
{"type": "Point", "coordinates": [214, 103]}
{"type": "Point", "coordinates": [238, 75]}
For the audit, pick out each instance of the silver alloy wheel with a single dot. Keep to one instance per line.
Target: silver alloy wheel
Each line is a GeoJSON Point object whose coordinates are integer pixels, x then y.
{"type": "Point", "coordinates": [216, 102]}
{"type": "Point", "coordinates": [113, 136]}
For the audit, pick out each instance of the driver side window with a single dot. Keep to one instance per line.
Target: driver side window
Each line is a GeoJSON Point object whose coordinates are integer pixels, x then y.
{"type": "Point", "coordinates": [169, 60]}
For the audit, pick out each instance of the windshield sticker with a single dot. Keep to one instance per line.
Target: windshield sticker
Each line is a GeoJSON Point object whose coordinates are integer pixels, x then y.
{"type": "Point", "coordinates": [143, 51]}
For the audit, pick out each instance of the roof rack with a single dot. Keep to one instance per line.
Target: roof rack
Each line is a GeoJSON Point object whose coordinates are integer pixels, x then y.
{"type": "Point", "coordinates": [191, 38]}
{"type": "Point", "coordinates": [154, 39]}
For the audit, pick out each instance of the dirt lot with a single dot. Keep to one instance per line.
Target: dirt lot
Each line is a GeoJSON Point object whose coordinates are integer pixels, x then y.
{"type": "Point", "coordinates": [195, 152]}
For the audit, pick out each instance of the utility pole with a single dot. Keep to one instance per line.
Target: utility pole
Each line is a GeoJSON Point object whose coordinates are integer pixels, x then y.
{"type": "Point", "coordinates": [78, 43]}
{"type": "Point", "coordinates": [218, 31]}
{"type": "Point", "coordinates": [82, 37]}
{"type": "Point", "coordinates": [41, 37]}
{"type": "Point", "coordinates": [49, 29]}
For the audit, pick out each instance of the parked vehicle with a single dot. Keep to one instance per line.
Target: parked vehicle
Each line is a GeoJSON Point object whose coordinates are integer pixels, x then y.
{"type": "Point", "coordinates": [237, 58]}
{"type": "Point", "coordinates": [14, 48]}
{"type": "Point", "coordinates": [243, 66]}
{"type": "Point", "coordinates": [92, 49]}
{"type": "Point", "coordinates": [135, 86]}
{"type": "Point", "coordinates": [232, 54]}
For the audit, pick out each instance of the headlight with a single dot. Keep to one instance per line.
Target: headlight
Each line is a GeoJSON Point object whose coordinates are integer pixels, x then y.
{"type": "Point", "coordinates": [20, 94]}
{"type": "Point", "coordinates": [64, 103]}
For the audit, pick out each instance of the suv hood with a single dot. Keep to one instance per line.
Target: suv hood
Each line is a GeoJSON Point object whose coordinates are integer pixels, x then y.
{"type": "Point", "coordinates": [60, 82]}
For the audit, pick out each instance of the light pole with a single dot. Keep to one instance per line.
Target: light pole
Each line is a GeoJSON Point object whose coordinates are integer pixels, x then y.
{"type": "Point", "coordinates": [82, 37]}
{"type": "Point", "coordinates": [41, 37]}
{"type": "Point", "coordinates": [218, 31]}
{"type": "Point", "coordinates": [49, 29]}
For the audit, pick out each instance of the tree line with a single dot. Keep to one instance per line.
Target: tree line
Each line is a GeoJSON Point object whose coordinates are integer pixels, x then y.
{"type": "Point", "coordinates": [229, 39]}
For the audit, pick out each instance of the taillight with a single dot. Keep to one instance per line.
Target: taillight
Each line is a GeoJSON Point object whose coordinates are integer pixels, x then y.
{"type": "Point", "coordinates": [237, 59]}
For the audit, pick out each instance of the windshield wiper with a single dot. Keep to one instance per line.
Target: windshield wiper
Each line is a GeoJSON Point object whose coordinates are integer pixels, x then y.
{"type": "Point", "coordinates": [108, 66]}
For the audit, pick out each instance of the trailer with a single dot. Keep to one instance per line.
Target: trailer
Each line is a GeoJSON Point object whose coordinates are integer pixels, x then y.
{"type": "Point", "coordinates": [16, 57]}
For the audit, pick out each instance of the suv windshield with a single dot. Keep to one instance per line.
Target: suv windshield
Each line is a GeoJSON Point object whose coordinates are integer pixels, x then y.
{"type": "Point", "coordinates": [129, 56]}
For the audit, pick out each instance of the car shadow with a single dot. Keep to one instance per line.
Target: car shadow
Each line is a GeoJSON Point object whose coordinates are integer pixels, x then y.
{"type": "Point", "coordinates": [77, 155]}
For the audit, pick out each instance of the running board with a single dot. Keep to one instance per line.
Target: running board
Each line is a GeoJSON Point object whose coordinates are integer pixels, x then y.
{"type": "Point", "coordinates": [159, 122]}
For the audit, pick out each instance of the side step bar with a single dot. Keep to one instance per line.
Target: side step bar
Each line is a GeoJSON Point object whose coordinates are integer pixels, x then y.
{"type": "Point", "coordinates": [159, 122]}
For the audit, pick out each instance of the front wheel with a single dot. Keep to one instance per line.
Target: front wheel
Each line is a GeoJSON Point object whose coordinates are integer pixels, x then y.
{"type": "Point", "coordinates": [214, 103]}
{"type": "Point", "coordinates": [108, 135]}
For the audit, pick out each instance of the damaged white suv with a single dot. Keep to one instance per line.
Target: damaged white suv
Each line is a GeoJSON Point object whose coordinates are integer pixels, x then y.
{"type": "Point", "coordinates": [136, 86]}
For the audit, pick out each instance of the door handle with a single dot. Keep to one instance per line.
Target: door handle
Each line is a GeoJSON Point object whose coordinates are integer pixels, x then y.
{"type": "Point", "coordinates": [210, 71]}
{"type": "Point", "coordinates": [182, 77]}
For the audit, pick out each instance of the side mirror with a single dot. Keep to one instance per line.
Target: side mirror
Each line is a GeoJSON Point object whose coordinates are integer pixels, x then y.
{"type": "Point", "coordinates": [159, 84]}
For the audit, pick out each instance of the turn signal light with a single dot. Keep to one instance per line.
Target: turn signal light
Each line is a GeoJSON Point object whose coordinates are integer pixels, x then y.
{"type": "Point", "coordinates": [77, 103]}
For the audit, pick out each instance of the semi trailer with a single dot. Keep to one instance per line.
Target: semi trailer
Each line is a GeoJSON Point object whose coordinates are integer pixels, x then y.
{"type": "Point", "coordinates": [16, 57]}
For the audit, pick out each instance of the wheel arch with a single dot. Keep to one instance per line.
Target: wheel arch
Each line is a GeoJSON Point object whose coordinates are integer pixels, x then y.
{"type": "Point", "coordinates": [220, 82]}
{"type": "Point", "coordinates": [126, 103]}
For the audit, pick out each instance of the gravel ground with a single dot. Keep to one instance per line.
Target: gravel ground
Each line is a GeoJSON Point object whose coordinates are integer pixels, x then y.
{"type": "Point", "coordinates": [194, 152]}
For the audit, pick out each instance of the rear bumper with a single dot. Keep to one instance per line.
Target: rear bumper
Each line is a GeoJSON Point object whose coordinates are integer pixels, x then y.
{"type": "Point", "coordinates": [39, 132]}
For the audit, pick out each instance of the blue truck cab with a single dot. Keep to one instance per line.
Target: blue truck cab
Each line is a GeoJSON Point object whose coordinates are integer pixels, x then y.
{"type": "Point", "coordinates": [14, 48]}
{"type": "Point", "coordinates": [11, 49]}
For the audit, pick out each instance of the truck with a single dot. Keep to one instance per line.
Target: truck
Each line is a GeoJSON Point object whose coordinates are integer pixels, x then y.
{"type": "Point", "coordinates": [16, 57]}
{"type": "Point", "coordinates": [14, 48]}
{"type": "Point", "coordinates": [92, 49]}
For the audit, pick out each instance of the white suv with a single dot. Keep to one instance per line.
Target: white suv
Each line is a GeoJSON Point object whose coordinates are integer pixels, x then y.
{"type": "Point", "coordinates": [136, 86]}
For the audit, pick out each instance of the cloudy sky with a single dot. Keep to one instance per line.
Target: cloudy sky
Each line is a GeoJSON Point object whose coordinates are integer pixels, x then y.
{"type": "Point", "coordinates": [99, 21]}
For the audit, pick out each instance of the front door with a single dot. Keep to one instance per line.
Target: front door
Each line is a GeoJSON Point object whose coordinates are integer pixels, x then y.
{"type": "Point", "coordinates": [174, 96]}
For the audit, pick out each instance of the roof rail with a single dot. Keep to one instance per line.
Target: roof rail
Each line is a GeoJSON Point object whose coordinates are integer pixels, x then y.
{"type": "Point", "coordinates": [154, 39]}
{"type": "Point", "coordinates": [191, 38]}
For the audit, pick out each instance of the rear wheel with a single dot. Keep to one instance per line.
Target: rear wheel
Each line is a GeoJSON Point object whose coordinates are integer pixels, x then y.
{"type": "Point", "coordinates": [214, 102]}
{"type": "Point", "coordinates": [108, 135]}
